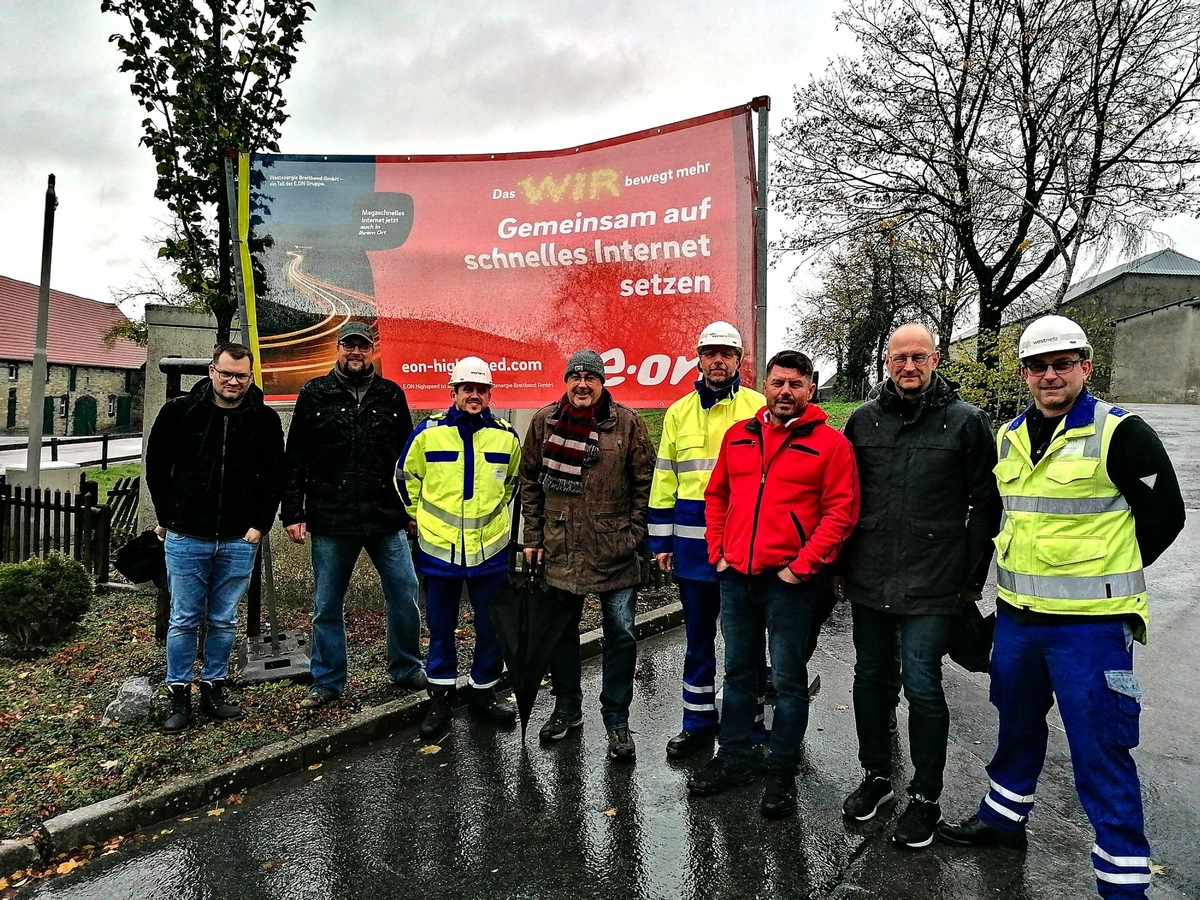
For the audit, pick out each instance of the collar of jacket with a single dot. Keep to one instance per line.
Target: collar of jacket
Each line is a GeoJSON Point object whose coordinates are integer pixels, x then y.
{"type": "Point", "coordinates": [1082, 412]}
{"type": "Point", "coordinates": [939, 393]}
{"type": "Point", "coordinates": [202, 392]}
{"type": "Point", "coordinates": [471, 422]}
{"type": "Point", "coordinates": [710, 398]}
{"type": "Point", "coordinates": [804, 423]}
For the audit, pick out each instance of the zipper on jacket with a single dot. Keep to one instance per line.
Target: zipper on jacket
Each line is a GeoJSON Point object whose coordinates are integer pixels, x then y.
{"type": "Point", "coordinates": [221, 478]}
{"type": "Point", "coordinates": [762, 485]}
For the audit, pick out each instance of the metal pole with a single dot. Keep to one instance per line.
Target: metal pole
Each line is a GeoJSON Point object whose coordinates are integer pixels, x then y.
{"type": "Point", "coordinates": [37, 390]}
{"type": "Point", "coordinates": [762, 105]}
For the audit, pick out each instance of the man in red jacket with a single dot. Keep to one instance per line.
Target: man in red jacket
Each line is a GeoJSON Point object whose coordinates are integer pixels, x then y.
{"type": "Point", "coordinates": [782, 500]}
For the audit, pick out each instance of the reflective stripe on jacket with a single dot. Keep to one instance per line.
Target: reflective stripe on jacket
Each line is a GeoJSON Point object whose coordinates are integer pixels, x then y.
{"type": "Point", "coordinates": [687, 453]}
{"type": "Point", "coordinates": [1068, 544]}
{"type": "Point", "coordinates": [456, 479]}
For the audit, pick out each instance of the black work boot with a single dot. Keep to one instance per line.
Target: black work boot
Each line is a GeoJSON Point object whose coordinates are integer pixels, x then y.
{"type": "Point", "coordinates": [482, 703]}
{"type": "Point", "coordinates": [180, 716]}
{"type": "Point", "coordinates": [213, 703]}
{"type": "Point", "coordinates": [437, 719]}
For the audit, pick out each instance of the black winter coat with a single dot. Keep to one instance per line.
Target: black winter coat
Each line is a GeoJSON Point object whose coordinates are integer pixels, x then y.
{"type": "Point", "coordinates": [341, 458]}
{"type": "Point", "coordinates": [930, 506]}
{"type": "Point", "coordinates": [215, 472]}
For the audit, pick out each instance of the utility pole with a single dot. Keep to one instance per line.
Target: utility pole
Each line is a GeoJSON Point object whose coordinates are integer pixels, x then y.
{"type": "Point", "coordinates": [37, 390]}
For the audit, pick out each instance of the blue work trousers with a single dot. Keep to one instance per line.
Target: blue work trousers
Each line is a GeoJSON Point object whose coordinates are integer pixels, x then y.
{"type": "Point", "coordinates": [442, 596]}
{"type": "Point", "coordinates": [1088, 668]}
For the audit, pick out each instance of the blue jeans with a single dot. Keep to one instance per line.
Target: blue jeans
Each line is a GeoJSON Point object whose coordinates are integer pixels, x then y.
{"type": "Point", "coordinates": [756, 609]}
{"type": "Point", "coordinates": [620, 658]}
{"type": "Point", "coordinates": [208, 579]}
{"type": "Point", "coordinates": [333, 559]}
{"type": "Point", "coordinates": [890, 650]}
{"type": "Point", "coordinates": [442, 596]}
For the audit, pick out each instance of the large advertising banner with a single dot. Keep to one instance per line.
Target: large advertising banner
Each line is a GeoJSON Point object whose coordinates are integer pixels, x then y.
{"type": "Point", "coordinates": [628, 246]}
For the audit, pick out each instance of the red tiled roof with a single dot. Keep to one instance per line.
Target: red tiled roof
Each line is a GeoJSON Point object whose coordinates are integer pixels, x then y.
{"type": "Point", "coordinates": [76, 331]}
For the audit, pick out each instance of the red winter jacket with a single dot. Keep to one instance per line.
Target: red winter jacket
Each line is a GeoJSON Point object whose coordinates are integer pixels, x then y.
{"type": "Point", "coordinates": [781, 495]}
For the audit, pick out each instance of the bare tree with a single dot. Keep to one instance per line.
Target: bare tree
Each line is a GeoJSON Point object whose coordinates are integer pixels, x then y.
{"type": "Point", "coordinates": [1026, 128]}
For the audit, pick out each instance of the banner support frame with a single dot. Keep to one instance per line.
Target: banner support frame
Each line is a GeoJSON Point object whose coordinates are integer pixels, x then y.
{"type": "Point", "coordinates": [762, 106]}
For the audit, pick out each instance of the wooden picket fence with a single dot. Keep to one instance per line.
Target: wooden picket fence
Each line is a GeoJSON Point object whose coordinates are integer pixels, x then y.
{"type": "Point", "coordinates": [36, 521]}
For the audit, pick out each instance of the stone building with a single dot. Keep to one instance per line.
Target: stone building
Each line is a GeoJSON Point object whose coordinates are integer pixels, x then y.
{"type": "Point", "coordinates": [90, 388]}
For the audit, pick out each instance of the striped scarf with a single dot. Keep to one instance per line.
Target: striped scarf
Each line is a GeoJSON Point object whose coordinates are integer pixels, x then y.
{"type": "Point", "coordinates": [572, 444]}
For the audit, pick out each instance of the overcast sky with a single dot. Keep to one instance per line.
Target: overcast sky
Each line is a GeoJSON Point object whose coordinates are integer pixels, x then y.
{"type": "Point", "coordinates": [389, 77]}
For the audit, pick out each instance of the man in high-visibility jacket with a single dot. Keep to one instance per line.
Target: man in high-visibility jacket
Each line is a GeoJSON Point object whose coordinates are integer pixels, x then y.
{"type": "Point", "coordinates": [1090, 498]}
{"type": "Point", "coordinates": [691, 439]}
{"type": "Point", "coordinates": [456, 477]}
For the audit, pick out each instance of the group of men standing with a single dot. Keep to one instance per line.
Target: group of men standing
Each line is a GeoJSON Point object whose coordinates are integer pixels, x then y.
{"type": "Point", "coordinates": [754, 501]}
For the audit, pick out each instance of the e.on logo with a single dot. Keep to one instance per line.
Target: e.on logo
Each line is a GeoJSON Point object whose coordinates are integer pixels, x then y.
{"type": "Point", "coordinates": [575, 186]}
{"type": "Point", "coordinates": [652, 370]}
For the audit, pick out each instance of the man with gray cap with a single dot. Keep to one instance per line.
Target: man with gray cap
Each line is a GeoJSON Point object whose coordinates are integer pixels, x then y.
{"type": "Point", "coordinates": [348, 429]}
{"type": "Point", "coordinates": [585, 487]}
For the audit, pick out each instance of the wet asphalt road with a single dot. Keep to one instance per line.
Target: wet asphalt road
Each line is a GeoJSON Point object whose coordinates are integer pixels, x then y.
{"type": "Point", "coordinates": [488, 818]}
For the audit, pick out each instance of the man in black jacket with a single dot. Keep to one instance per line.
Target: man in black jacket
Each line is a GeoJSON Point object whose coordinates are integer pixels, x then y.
{"type": "Point", "coordinates": [212, 466]}
{"type": "Point", "coordinates": [348, 430]}
{"type": "Point", "coordinates": [921, 550]}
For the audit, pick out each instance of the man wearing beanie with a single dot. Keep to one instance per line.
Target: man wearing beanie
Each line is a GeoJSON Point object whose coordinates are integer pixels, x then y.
{"type": "Point", "coordinates": [348, 429]}
{"type": "Point", "coordinates": [585, 486]}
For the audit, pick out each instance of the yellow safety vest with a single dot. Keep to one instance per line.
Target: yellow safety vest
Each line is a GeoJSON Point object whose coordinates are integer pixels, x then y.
{"type": "Point", "coordinates": [1068, 544]}
{"type": "Point", "coordinates": [687, 454]}
{"type": "Point", "coordinates": [458, 494]}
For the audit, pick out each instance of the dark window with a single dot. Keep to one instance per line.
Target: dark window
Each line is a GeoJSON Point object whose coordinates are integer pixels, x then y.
{"type": "Point", "coordinates": [64, 405]}
{"type": "Point", "coordinates": [112, 405]}
{"type": "Point", "coordinates": [72, 376]}
{"type": "Point", "coordinates": [14, 369]}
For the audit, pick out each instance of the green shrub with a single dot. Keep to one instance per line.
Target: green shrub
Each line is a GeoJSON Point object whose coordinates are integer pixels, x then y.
{"type": "Point", "coordinates": [42, 600]}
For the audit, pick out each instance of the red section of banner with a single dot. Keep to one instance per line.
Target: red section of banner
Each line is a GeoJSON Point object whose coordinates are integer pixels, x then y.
{"type": "Point", "coordinates": [629, 246]}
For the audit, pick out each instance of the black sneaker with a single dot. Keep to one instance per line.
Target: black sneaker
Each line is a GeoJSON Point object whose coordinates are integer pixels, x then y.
{"type": "Point", "coordinates": [862, 805]}
{"type": "Point", "coordinates": [558, 725]}
{"type": "Point", "coordinates": [717, 776]}
{"type": "Point", "coordinates": [620, 745]}
{"type": "Point", "coordinates": [688, 742]}
{"type": "Point", "coordinates": [916, 827]}
{"type": "Point", "coordinates": [779, 798]}
{"type": "Point", "coordinates": [437, 718]}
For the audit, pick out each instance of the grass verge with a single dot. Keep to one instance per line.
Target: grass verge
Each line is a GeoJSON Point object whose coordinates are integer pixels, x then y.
{"type": "Point", "coordinates": [59, 753]}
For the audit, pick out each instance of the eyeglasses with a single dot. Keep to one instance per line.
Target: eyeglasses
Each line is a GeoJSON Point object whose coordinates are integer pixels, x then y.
{"type": "Point", "coordinates": [237, 377]}
{"type": "Point", "coordinates": [1061, 366]}
{"type": "Point", "coordinates": [360, 346]}
{"type": "Point", "coordinates": [902, 359]}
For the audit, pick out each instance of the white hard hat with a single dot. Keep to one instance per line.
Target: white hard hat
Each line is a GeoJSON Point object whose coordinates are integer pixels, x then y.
{"type": "Point", "coordinates": [720, 334]}
{"type": "Point", "coordinates": [471, 370]}
{"type": "Point", "coordinates": [1050, 334]}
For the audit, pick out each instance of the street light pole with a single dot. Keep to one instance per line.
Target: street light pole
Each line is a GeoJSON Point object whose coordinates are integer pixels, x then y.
{"type": "Point", "coordinates": [37, 390]}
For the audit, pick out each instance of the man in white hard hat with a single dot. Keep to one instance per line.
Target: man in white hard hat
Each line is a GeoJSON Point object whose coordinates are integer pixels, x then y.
{"type": "Point", "coordinates": [691, 440]}
{"type": "Point", "coordinates": [456, 477]}
{"type": "Point", "coordinates": [1090, 499]}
